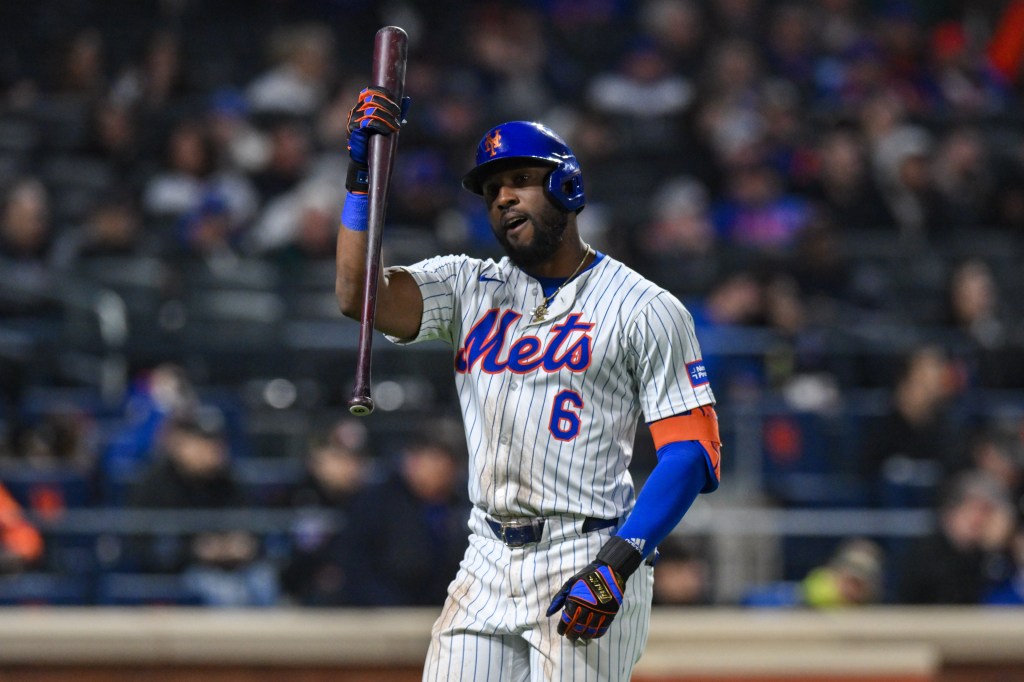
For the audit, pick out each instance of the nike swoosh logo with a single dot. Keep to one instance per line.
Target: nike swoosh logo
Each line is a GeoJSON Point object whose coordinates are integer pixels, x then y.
{"type": "Point", "coordinates": [485, 278]}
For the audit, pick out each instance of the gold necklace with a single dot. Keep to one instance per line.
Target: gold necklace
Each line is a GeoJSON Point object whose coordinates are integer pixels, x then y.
{"type": "Point", "coordinates": [540, 313]}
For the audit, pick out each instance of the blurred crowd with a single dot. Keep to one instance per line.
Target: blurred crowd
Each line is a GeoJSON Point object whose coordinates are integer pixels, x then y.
{"type": "Point", "coordinates": [835, 189]}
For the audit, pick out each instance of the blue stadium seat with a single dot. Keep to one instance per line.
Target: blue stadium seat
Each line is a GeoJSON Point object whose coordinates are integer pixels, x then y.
{"type": "Point", "coordinates": [47, 491]}
{"type": "Point", "coordinates": [44, 589]}
{"type": "Point", "coordinates": [144, 589]}
{"type": "Point", "coordinates": [809, 459]}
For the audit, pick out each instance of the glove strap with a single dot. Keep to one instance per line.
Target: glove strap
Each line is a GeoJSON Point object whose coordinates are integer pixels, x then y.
{"type": "Point", "coordinates": [622, 557]}
{"type": "Point", "coordinates": [358, 179]}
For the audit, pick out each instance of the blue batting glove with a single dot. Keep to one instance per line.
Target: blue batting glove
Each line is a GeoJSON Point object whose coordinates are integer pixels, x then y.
{"type": "Point", "coordinates": [359, 146]}
{"type": "Point", "coordinates": [589, 601]}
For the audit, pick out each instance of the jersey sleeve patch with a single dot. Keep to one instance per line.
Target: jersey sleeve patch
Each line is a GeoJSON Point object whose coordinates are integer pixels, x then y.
{"type": "Point", "coordinates": [698, 373]}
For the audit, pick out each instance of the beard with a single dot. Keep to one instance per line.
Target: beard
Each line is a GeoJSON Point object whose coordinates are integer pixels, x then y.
{"type": "Point", "coordinates": [548, 229]}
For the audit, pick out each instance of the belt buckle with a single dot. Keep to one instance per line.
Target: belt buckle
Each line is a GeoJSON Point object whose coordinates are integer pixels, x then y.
{"type": "Point", "coordinates": [520, 533]}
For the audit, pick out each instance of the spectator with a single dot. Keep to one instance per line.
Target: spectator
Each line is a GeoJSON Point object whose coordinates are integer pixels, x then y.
{"type": "Point", "coordinates": [62, 437]}
{"type": "Point", "coordinates": [966, 80]}
{"type": "Point", "coordinates": [903, 161]}
{"type": "Point", "coordinates": [158, 83]}
{"type": "Point", "coordinates": [682, 576]}
{"type": "Point", "coordinates": [914, 445]}
{"type": "Point", "coordinates": [112, 228]}
{"type": "Point", "coordinates": [992, 355]}
{"type": "Point", "coordinates": [26, 251]}
{"type": "Point", "coordinates": [239, 143]}
{"type": "Point", "coordinates": [789, 48]}
{"type": "Point", "coordinates": [209, 231]}
{"type": "Point", "coordinates": [1005, 211]}
{"type": "Point", "coordinates": [81, 70]}
{"type": "Point", "coordinates": [156, 396]}
{"type": "Point", "coordinates": [645, 97]}
{"type": "Point", "coordinates": [21, 545]}
{"type": "Point", "coordinates": [967, 554]}
{"type": "Point", "coordinates": [26, 230]}
{"type": "Point", "coordinates": [192, 179]}
{"type": "Point", "coordinates": [902, 43]}
{"type": "Point", "coordinates": [737, 17]}
{"type": "Point", "coordinates": [289, 158]}
{"type": "Point", "coordinates": [507, 48]}
{"type": "Point", "coordinates": [193, 472]}
{"type": "Point", "coordinates": [1010, 592]}
{"type": "Point", "coordinates": [296, 83]}
{"type": "Point", "coordinates": [757, 214]}
{"type": "Point", "coordinates": [997, 450]}
{"type": "Point", "coordinates": [727, 113]}
{"type": "Point", "coordinates": [963, 177]}
{"type": "Point", "coordinates": [677, 29]}
{"type": "Point", "coordinates": [838, 24]}
{"type": "Point", "coordinates": [335, 475]}
{"type": "Point", "coordinates": [115, 138]}
{"type": "Point", "coordinates": [734, 305]}
{"type": "Point", "coordinates": [823, 270]}
{"type": "Point", "coordinates": [679, 241]}
{"type": "Point", "coordinates": [300, 225]}
{"type": "Point", "coordinates": [851, 577]}
{"type": "Point", "coordinates": [409, 532]}
{"type": "Point", "coordinates": [844, 187]}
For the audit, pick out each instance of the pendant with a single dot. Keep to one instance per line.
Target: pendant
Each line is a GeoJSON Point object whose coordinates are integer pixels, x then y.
{"type": "Point", "coordinates": [540, 312]}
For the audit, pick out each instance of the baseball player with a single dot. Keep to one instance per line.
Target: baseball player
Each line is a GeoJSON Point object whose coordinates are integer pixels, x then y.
{"type": "Point", "coordinates": [558, 350]}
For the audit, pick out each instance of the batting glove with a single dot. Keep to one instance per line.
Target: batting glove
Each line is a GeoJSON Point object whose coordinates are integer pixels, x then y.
{"type": "Point", "coordinates": [375, 112]}
{"type": "Point", "coordinates": [590, 599]}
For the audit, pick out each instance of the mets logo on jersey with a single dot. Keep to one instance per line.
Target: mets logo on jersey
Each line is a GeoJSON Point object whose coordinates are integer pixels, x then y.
{"type": "Point", "coordinates": [493, 142]}
{"type": "Point", "coordinates": [698, 373]}
{"type": "Point", "coordinates": [568, 346]}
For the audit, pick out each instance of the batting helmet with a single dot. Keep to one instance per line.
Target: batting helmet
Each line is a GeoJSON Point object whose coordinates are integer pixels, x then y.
{"type": "Point", "coordinates": [529, 141]}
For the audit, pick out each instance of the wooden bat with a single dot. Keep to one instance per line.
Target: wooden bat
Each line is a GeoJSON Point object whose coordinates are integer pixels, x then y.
{"type": "Point", "coordinates": [390, 48]}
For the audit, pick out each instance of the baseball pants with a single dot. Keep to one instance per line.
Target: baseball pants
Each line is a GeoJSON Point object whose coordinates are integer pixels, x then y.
{"type": "Point", "coordinates": [493, 626]}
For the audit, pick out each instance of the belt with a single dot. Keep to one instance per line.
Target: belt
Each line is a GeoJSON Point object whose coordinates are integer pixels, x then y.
{"type": "Point", "coordinates": [527, 531]}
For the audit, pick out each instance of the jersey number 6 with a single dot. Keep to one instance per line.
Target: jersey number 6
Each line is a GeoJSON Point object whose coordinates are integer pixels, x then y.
{"type": "Point", "coordinates": [565, 424]}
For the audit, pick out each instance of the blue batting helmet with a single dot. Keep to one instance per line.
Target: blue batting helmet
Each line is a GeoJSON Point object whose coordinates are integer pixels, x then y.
{"type": "Point", "coordinates": [529, 141]}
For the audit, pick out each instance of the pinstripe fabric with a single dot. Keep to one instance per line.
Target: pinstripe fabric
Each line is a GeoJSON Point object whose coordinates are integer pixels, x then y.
{"type": "Point", "coordinates": [493, 625]}
{"type": "Point", "coordinates": [550, 413]}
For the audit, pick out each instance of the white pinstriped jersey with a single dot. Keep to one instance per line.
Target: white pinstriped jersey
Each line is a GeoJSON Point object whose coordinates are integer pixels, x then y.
{"type": "Point", "coordinates": [551, 408]}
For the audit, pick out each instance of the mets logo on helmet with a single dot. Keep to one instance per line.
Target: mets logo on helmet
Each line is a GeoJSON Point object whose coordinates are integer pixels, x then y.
{"type": "Point", "coordinates": [492, 142]}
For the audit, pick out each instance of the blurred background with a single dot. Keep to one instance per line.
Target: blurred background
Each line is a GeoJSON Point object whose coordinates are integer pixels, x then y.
{"type": "Point", "coordinates": [835, 189]}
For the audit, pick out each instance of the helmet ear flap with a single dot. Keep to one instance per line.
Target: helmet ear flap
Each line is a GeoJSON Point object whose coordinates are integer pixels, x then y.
{"type": "Point", "coordinates": [565, 185]}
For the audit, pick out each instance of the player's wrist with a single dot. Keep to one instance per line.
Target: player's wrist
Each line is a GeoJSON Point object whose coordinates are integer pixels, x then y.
{"type": "Point", "coordinates": [621, 557]}
{"type": "Point", "coordinates": [355, 215]}
{"type": "Point", "coordinates": [358, 178]}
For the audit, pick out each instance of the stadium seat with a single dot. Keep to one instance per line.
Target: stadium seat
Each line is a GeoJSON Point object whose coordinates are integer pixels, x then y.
{"type": "Point", "coordinates": [44, 589]}
{"type": "Point", "coordinates": [144, 589]}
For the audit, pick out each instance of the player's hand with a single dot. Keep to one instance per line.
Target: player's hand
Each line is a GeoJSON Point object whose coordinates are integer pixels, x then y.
{"type": "Point", "coordinates": [589, 601]}
{"type": "Point", "coordinates": [375, 112]}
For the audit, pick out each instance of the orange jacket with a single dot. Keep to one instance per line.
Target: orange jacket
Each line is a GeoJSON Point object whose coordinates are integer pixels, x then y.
{"type": "Point", "coordinates": [17, 536]}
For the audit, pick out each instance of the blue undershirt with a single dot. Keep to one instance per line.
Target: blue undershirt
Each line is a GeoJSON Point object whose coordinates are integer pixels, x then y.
{"type": "Point", "coordinates": [550, 284]}
{"type": "Point", "coordinates": [683, 472]}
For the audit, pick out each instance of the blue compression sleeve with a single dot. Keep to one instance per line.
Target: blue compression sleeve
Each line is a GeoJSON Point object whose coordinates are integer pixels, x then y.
{"type": "Point", "coordinates": [356, 213]}
{"type": "Point", "coordinates": [680, 475]}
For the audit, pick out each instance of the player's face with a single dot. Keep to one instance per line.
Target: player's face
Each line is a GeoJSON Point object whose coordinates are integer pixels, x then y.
{"type": "Point", "coordinates": [526, 223]}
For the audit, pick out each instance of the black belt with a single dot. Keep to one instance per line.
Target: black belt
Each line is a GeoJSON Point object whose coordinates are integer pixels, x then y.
{"type": "Point", "coordinates": [527, 531]}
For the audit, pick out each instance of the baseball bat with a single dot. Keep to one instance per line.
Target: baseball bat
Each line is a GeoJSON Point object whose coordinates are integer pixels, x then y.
{"type": "Point", "coordinates": [390, 49]}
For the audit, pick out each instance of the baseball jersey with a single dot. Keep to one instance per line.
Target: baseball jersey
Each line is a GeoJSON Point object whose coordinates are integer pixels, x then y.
{"type": "Point", "coordinates": [551, 407]}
